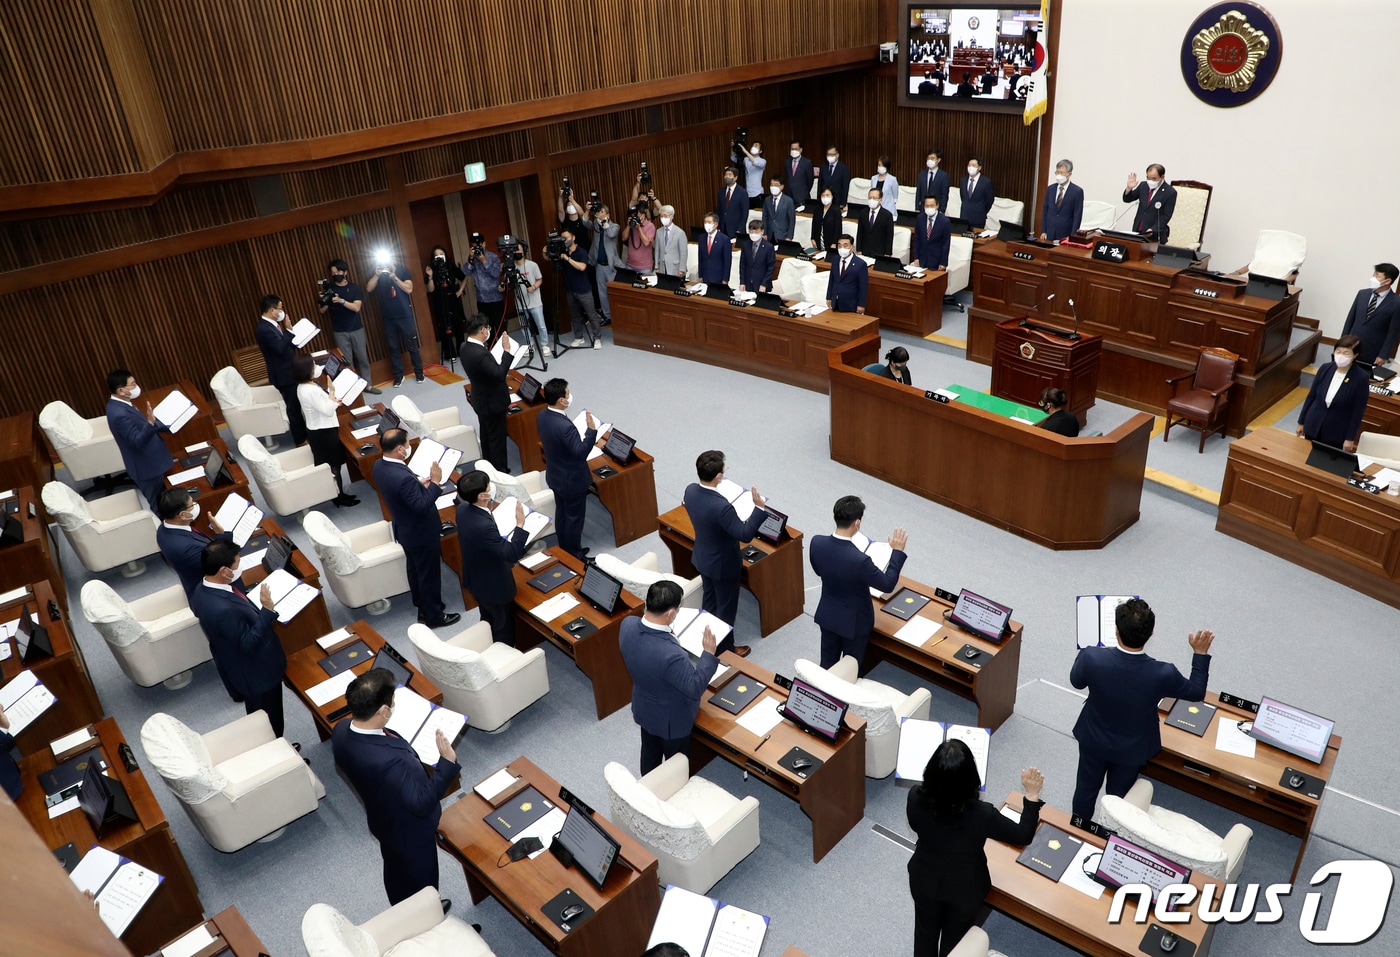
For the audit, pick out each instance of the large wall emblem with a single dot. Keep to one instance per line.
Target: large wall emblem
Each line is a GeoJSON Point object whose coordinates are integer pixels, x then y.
{"type": "Point", "coordinates": [1231, 53]}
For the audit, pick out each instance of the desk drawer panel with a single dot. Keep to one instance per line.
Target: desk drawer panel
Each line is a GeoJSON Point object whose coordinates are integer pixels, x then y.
{"type": "Point", "coordinates": [1264, 500]}
{"type": "Point", "coordinates": [774, 346]}
{"type": "Point", "coordinates": [897, 312]}
{"type": "Point", "coordinates": [724, 334]}
{"type": "Point", "coordinates": [1352, 534]}
{"type": "Point", "coordinates": [674, 324]}
{"type": "Point", "coordinates": [990, 288]}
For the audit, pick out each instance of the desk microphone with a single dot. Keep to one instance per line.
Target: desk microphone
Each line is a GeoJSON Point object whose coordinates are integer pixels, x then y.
{"type": "Point", "coordinates": [1075, 313]}
{"type": "Point", "coordinates": [1131, 207]}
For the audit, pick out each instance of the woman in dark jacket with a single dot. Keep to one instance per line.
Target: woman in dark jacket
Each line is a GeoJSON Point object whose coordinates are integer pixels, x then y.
{"type": "Point", "coordinates": [897, 365]}
{"type": "Point", "coordinates": [1331, 415]}
{"type": "Point", "coordinates": [948, 873]}
{"type": "Point", "coordinates": [1059, 420]}
{"type": "Point", "coordinates": [826, 225]}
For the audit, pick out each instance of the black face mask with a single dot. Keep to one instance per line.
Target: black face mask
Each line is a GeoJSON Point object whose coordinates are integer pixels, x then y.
{"type": "Point", "coordinates": [519, 257]}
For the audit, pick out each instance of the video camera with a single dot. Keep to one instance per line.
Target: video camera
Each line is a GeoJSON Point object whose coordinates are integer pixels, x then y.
{"type": "Point", "coordinates": [325, 292]}
{"type": "Point", "coordinates": [646, 175]}
{"type": "Point", "coordinates": [741, 138]}
{"type": "Point", "coordinates": [567, 190]}
{"type": "Point", "coordinates": [554, 246]}
{"type": "Point", "coordinates": [509, 248]}
{"type": "Point", "coordinates": [478, 242]}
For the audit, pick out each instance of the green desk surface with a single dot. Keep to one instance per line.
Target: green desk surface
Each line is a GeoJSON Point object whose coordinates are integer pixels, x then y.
{"type": "Point", "coordinates": [996, 404]}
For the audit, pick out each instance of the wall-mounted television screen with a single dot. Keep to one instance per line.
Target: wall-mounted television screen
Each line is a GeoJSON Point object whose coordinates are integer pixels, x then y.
{"type": "Point", "coordinates": [968, 56]}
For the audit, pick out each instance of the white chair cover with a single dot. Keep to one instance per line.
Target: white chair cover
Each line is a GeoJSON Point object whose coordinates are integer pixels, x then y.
{"type": "Point", "coordinates": [634, 579]}
{"type": "Point", "coordinates": [66, 506]}
{"type": "Point", "coordinates": [266, 469]}
{"type": "Point", "coordinates": [506, 484]}
{"type": "Point", "coordinates": [231, 389]}
{"type": "Point", "coordinates": [1174, 836]}
{"type": "Point", "coordinates": [1277, 253]}
{"type": "Point", "coordinates": [327, 932]}
{"type": "Point", "coordinates": [181, 759]}
{"type": "Point", "coordinates": [331, 544]}
{"type": "Point", "coordinates": [644, 815]}
{"type": "Point", "coordinates": [449, 665]}
{"type": "Point", "coordinates": [63, 426]}
{"type": "Point", "coordinates": [109, 613]}
{"type": "Point", "coordinates": [412, 416]}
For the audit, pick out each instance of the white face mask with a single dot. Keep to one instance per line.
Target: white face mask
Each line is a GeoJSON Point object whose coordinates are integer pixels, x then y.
{"type": "Point", "coordinates": [931, 164]}
{"type": "Point", "coordinates": [845, 252]}
{"type": "Point", "coordinates": [1061, 179]}
{"type": "Point", "coordinates": [281, 314]}
{"type": "Point", "coordinates": [755, 151]}
{"type": "Point", "coordinates": [794, 153]}
{"type": "Point", "coordinates": [568, 400]}
{"type": "Point", "coordinates": [881, 170]}
{"type": "Point", "coordinates": [665, 220]}
{"type": "Point", "coordinates": [237, 573]}
{"type": "Point", "coordinates": [830, 158]}
{"type": "Point", "coordinates": [135, 392]}
{"type": "Point", "coordinates": [194, 511]}
{"type": "Point", "coordinates": [755, 237]}
{"type": "Point", "coordinates": [930, 211]}
{"type": "Point", "coordinates": [1153, 184]}
{"type": "Point", "coordinates": [826, 200]}
{"type": "Point", "coordinates": [874, 204]}
{"type": "Point", "coordinates": [973, 170]}
{"type": "Point", "coordinates": [317, 371]}
{"type": "Point", "coordinates": [775, 190]}
{"type": "Point", "coordinates": [1343, 362]}
{"type": "Point", "coordinates": [1375, 284]}
{"type": "Point", "coordinates": [491, 492]}
{"type": "Point", "coordinates": [571, 210]}
{"type": "Point", "coordinates": [709, 227]}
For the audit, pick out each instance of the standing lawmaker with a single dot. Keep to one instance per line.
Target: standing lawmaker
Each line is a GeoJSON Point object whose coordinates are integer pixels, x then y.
{"type": "Point", "coordinates": [274, 337]}
{"type": "Point", "coordinates": [715, 253]}
{"type": "Point", "coordinates": [180, 545]}
{"type": "Point", "coordinates": [487, 558]}
{"type": "Point", "coordinates": [490, 396]}
{"type": "Point", "coordinates": [1064, 205]}
{"type": "Point", "coordinates": [731, 205]}
{"type": "Point", "coordinates": [1375, 317]}
{"type": "Point", "coordinates": [566, 469]}
{"type": "Point", "coordinates": [718, 534]}
{"type": "Point", "coordinates": [835, 175]}
{"type": "Point", "coordinates": [932, 182]}
{"type": "Point", "coordinates": [977, 193]}
{"type": "Point", "coordinates": [844, 613]}
{"type": "Point", "coordinates": [850, 279]}
{"type": "Point", "coordinates": [933, 236]}
{"type": "Point", "coordinates": [412, 504]}
{"type": "Point", "coordinates": [137, 434]}
{"type": "Point", "coordinates": [1156, 202]}
{"type": "Point", "coordinates": [797, 172]}
{"type": "Point", "coordinates": [875, 230]}
{"type": "Point", "coordinates": [1332, 412]}
{"type": "Point", "coordinates": [756, 259]}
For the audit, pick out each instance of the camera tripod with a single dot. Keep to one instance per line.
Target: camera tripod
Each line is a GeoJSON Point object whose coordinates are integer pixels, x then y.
{"type": "Point", "coordinates": [560, 347]}
{"type": "Point", "coordinates": [530, 338]}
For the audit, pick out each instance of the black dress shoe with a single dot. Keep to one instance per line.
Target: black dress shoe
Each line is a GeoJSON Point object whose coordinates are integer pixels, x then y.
{"type": "Point", "coordinates": [448, 619]}
{"type": "Point", "coordinates": [476, 927]}
{"type": "Point", "coordinates": [446, 905]}
{"type": "Point", "coordinates": [398, 381]}
{"type": "Point", "coordinates": [742, 650]}
{"type": "Point", "coordinates": [371, 390]}
{"type": "Point", "coordinates": [345, 501]}
{"type": "Point", "coordinates": [296, 746]}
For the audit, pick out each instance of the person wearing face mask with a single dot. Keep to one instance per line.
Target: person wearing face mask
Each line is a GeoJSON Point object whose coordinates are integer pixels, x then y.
{"type": "Point", "coordinates": [137, 434]}
{"type": "Point", "coordinates": [716, 253]}
{"type": "Point", "coordinates": [826, 226]}
{"type": "Point", "coordinates": [179, 542]}
{"type": "Point", "coordinates": [1375, 317]}
{"type": "Point", "coordinates": [446, 285]}
{"type": "Point", "coordinates": [490, 395]}
{"type": "Point", "coordinates": [977, 195]}
{"type": "Point", "coordinates": [718, 534]}
{"type": "Point", "coordinates": [798, 176]}
{"type": "Point", "coordinates": [603, 257]}
{"type": "Point", "coordinates": [1064, 205]}
{"type": "Point", "coordinates": [274, 338]}
{"type": "Point", "coordinates": [835, 175]}
{"type": "Point", "coordinates": [933, 181]}
{"type": "Point", "coordinates": [932, 236]}
{"type": "Point", "coordinates": [579, 292]}
{"type": "Point", "coordinates": [322, 426]}
{"type": "Point", "coordinates": [566, 463]}
{"type": "Point", "coordinates": [670, 244]}
{"type": "Point", "coordinates": [779, 214]}
{"type": "Point", "coordinates": [347, 324]}
{"type": "Point", "coordinates": [487, 558]}
{"type": "Point", "coordinates": [1332, 412]}
{"type": "Point", "coordinates": [413, 513]}
{"type": "Point", "coordinates": [731, 205]}
{"type": "Point", "coordinates": [888, 186]}
{"type": "Point", "coordinates": [639, 239]}
{"type": "Point", "coordinates": [534, 303]}
{"type": "Point", "coordinates": [875, 229]}
{"type": "Point", "coordinates": [1060, 420]}
{"type": "Point", "coordinates": [571, 209]}
{"type": "Point", "coordinates": [846, 289]}
{"type": "Point", "coordinates": [1156, 202]}
{"type": "Point", "coordinates": [484, 266]}
{"type": "Point", "coordinates": [754, 164]}
{"type": "Point", "coordinates": [393, 284]}
{"type": "Point", "coordinates": [247, 652]}
{"type": "Point", "coordinates": [756, 261]}
{"type": "Point", "coordinates": [896, 366]}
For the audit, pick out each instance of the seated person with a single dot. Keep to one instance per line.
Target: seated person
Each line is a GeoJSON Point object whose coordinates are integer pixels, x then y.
{"type": "Point", "coordinates": [896, 365]}
{"type": "Point", "coordinates": [1059, 420]}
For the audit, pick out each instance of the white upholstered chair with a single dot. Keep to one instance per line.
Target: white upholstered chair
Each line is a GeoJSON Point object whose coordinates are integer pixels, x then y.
{"type": "Point", "coordinates": [86, 446]}
{"type": "Point", "coordinates": [1382, 449]}
{"type": "Point", "coordinates": [414, 927]}
{"type": "Point", "coordinates": [640, 575]}
{"type": "Point", "coordinates": [1005, 211]}
{"type": "Point", "coordinates": [529, 487]}
{"type": "Point", "coordinates": [959, 265]}
{"type": "Point", "coordinates": [1278, 253]}
{"type": "Point", "coordinates": [814, 286]}
{"type": "Point", "coordinates": [692, 262]}
{"type": "Point", "coordinates": [238, 783]}
{"type": "Point", "coordinates": [975, 943]}
{"type": "Point", "coordinates": [902, 247]}
{"type": "Point", "coordinates": [790, 275]}
{"type": "Point", "coordinates": [441, 425]}
{"type": "Point", "coordinates": [155, 639]}
{"type": "Point", "coordinates": [112, 531]}
{"type": "Point", "coordinates": [1174, 836]}
{"type": "Point", "coordinates": [488, 681]}
{"type": "Point", "coordinates": [907, 196]}
{"type": "Point", "coordinates": [1098, 215]}
{"type": "Point", "coordinates": [289, 481]}
{"type": "Point", "coordinates": [880, 705]}
{"type": "Point", "coordinates": [954, 209]}
{"type": "Point", "coordinates": [365, 566]}
{"type": "Point", "coordinates": [802, 230]}
{"type": "Point", "coordinates": [857, 194]}
{"type": "Point", "coordinates": [1188, 222]}
{"type": "Point", "coordinates": [256, 410]}
{"type": "Point", "coordinates": [697, 830]}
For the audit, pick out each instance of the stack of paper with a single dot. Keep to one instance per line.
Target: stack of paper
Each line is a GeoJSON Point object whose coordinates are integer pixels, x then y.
{"type": "Point", "coordinates": [689, 629]}
{"type": "Point", "coordinates": [918, 739]}
{"type": "Point", "coordinates": [705, 927]}
{"type": "Point", "coordinates": [239, 517]}
{"type": "Point", "coordinates": [518, 351]}
{"type": "Point", "coordinates": [185, 475]}
{"type": "Point", "coordinates": [175, 410]}
{"type": "Point", "coordinates": [917, 631]}
{"type": "Point", "coordinates": [346, 388]}
{"type": "Point", "coordinates": [915, 270]}
{"type": "Point", "coordinates": [762, 717]}
{"type": "Point", "coordinates": [697, 288]}
{"type": "Point", "coordinates": [430, 451]}
{"type": "Point", "coordinates": [289, 594]}
{"type": "Point", "coordinates": [197, 447]}
{"type": "Point", "coordinates": [741, 296]}
{"type": "Point", "coordinates": [417, 720]}
{"type": "Point", "coordinates": [495, 784]}
{"type": "Point", "coordinates": [23, 699]}
{"type": "Point", "coordinates": [535, 522]}
{"type": "Point", "coordinates": [327, 642]}
{"type": "Point", "coordinates": [536, 560]}
{"type": "Point", "coordinates": [327, 691]}
{"type": "Point", "coordinates": [121, 886]}
{"type": "Point", "coordinates": [554, 607]}
{"type": "Point", "coordinates": [304, 331]}
{"type": "Point", "coordinates": [190, 944]}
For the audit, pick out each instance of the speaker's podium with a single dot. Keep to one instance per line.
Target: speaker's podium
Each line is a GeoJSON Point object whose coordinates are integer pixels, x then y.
{"type": "Point", "coordinates": [1028, 355]}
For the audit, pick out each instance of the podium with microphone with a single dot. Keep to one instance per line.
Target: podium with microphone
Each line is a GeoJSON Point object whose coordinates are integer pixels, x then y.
{"type": "Point", "coordinates": [1030, 354]}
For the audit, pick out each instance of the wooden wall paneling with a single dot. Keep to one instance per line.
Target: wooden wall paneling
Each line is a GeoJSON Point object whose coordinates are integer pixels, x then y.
{"type": "Point", "coordinates": [327, 184]}
{"type": "Point", "coordinates": [449, 159]}
{"type": "Point", "coordinates": [592, 130]}
{"type": "Point", "coordinates": [133, 80]}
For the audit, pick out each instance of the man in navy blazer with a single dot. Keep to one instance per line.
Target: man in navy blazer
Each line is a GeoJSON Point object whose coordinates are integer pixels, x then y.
{"type": "Point", "coordinates": [487, 558]}
{"type": "Point", "coordinates": [875, 228]}
{"type": "Point", "coordinates": [1119, 729]}
{"type": "Point", "coordinates": [247, 652]}
{"type": "Point", "coordinates": [1064, 205]}
{"type": "Point", "coordinates": [779, 214]}
{"type": "Point", "coordinates": [798, 175]}
{"type": "Point", "coordinates": [1375, 316]}
{"type": "Point", "coordinates": [844, 613]}
{"type": "Point", "coordinates": [932, 182]}
{"type": "Point", "coordinates": [1156, 202]}
{"type": "Point", "coordinates": [566, 469]}
{"type": "Point", "coordinates": [137, 434]}
{"type": "Point", "coordinates": [849, 280]}
{"type": "Point", "coordinates": [756, 260]}
{"type": "Point", "coordinates": [715, 253]}
{"type": "Point", "coordinates": [977, 194]}
{"type": "Point", "coordinates": [274, 337]}
{"type": "Point", "coordinates": [412, 504]}
{"type": "Point", "coordinates": [835, 175]}
{"type": "Point", "coordinates": [718, 534]}
{"type": "Point", "coordinates": [732, 204]}
{"type": "Point", "coordinates": [402, 804]}
{"type": "Point", "coordinates": [490, 395]}
{"type": "Point", "coordinates": [180, 545]}
{"type": "Point", "coordinates": [1333, 416]}
{"type": "Point", "coordinates": [666, 685]}
{"type": "Point", "coordinates": [933, 236]}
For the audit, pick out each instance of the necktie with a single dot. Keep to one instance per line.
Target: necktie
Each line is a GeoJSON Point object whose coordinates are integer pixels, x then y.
{"type": "Point", "coordinates": [843, 266]}
{"type": "Point", "coordinates": [794, 167]}
{"type": "Point", "coordinates": [1059, 196]}
{"type": "Point", "coordinates": [930, 181]}
{"type": "Point", "coordinates": [872, 217]}
{"type": "Point", "coordinates": [710, 244]}
{"type": "Point", "coordinates": [728, 195]}
{"type": "Point", "coordinates": [1375, 301]}
{"type": "Point", "coordinates": [928, 230]}
{"type": "Point", "coordinates": [392, 734]}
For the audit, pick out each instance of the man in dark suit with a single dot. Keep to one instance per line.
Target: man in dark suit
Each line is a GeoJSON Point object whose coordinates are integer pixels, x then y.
{"type": "Point", "coordinates": [732, 204]}
{"type": "Point", "coordinates": [402, 804]}
{"type": "Point", "coordinates": [247, 652]}
{"type": "Point", "coordinates": [977, 194]}
{"type": "Point", "coordinates": [566, 469]}
{"type": "Point", "coordinates": [274, 337]}
{"type": "Point", "coordinates": [835, 175]}
{"type": "Point", "coordinates": [932, 182]}
{"type": "Point", "coordinates": [844, 612]}
{"type": "Point", "coordinates": [1156, 202]}
{"type": "Point", "coordinates": [180, 545]}
{"type": "Point", "coordinates": [779, 215]}
{"type": "Point", "coordinates": [1118, 729]}
{"type": "Point", "coordinates": [715, 253]}
{"type": "Point", "coordinates": [850, 278]}
{"type": "Point", "coordinates": [1064, 205]}
{"type": "Point", "coordinates": [756, 259]}
{"type": "Point", "coordinates": [666, 686]}
{"type": "Point", "coordinates": [967, 89]}
{"type": "Point", "coordinates": [137, 434]}
{"type": "Point", "coordinates": [1375, 317]}
{"type": "Point", "coordinates": [798, 174]}
{"type": "Point", "coordinates": [1332, 412]}
{"type": "Point", "coordinates": [11, 781]}
{"type": "Point", "coordinates": [490, 393]}
{"type": "Point", "coordinates": [412, 504]}
{"type": "Point", "coordinates": [875, 231]}
{"type": "Point", "coordinates": [718, 534]}
{"type": "Point", "coordinates": [933, 236]}
{"type": "Point", "coordinates": [487, 557]}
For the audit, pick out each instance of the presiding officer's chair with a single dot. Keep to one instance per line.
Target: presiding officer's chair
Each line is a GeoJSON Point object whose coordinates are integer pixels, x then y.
{"type": "Point", "coordinates": [638, 576]}
{"type": "Point", "coordinates": [440, 425]}
{"type": "Point", "coordinates": [490, 682]}
{"type": "Point", "coordinates": [112, 531]}
{"type": "Point", "coordinates": [155, 639]}
{"type": "Point", "coordinates": [289, 481]}
{"type": "Point", "coordinates": [881, 706]}
{"type": "Point", "coordinates": [1188, 222]}
{"type": "Point", "coordinates": [365, 566]}
{"type": "Point", "coordinates": [414, 927]}
{"type": "Point", "coordinates": [238, 783]}
{"type": "Point", "coordinates": [1098, 215]}
{"type": "Point", "coordinates": [1205, 405]}
{"type": "Point", "coordinates": [86, 446]}
{"type": "Point", "coordinates": [697, 830]}
{"type": "Point", "coordinates": [1174, 836]}
{"type": "Point", "coordinates": [256, 410]}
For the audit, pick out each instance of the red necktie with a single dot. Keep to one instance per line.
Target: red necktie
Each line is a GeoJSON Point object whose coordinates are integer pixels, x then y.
{"type": "Point", "coordinates": [794, 167]}
{"type": "Point", "coordinates": [928, 230]}
{"type": "Point", "coordinates": [710, 245]}
{"type": "Point", "coordinates": [843, 266]}
{"type": "Point", "coordinates": [728, 195]}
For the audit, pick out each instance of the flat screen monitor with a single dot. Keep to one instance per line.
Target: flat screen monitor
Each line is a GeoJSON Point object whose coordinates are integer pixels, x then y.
{"type": "Point", "coordinates": [388, 420]}
{"type": "Point", "coordinates": [1266, 287]}
{"type": "Point", "coordinates": [391, 661]}
{"type": "Point", "coordinates": [601, 589]}
{"type": "Point", "coordinates": [529, 388]}
{"type": "Point", "coordinates": [593, 849]}
{"type": "Point", "coordinates": [669, 283]}
{"type": "Point", "coordinates": [769, 301]}
{"type": "Point", "coordinates": [1329, 458]}
{"type": "Point", "coordinates": [623, 274]}
{"type": "Point", "coordinates": [1124, 862]}
{"type": "Point", "coordinates": [278, 554]}
{"type": "Point", "coordinates": [31, 641]}
{"type": "Point", "coordinates": [773, 526]}
{"type": "Point", "coordinates": [1013, 28]}
{"type": "Point", "coordinates": [1011, 233]}
{"type": "Point", "coordinates": [1292, 729]}
{"type": "Point", "coordinates": [968, 56]}
{"type": "Point", "coordinates": [334, 364]}
{"type": "Point", "coordinates": [888, 264]}
{"type": "Point", "coordinates": [216, 471]}
{"type": "Point", "coordinates": [981, 616]}
{"type": "Point", "coordinates": [814, 710]}
{"type": "Point", "coordinates": [619, 446]}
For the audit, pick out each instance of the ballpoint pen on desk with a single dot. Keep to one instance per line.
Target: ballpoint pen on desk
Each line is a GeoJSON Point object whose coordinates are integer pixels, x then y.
{"type": "Point", "coordinates": [763, 742]}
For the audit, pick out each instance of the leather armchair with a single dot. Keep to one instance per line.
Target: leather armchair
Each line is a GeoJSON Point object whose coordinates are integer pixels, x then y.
{"type": "Point", "coordinates": [1203, 407]}
{"type": "Point", "coordinates": [112, 531]}
{"type": "Point", "coordinates": [640, 575]}
{"type": "Point", "coordinates": [258, 410]}
{"type": "Point", "coordinates": [440, 425]}
{"type": "Point", "coordinates": [490, 682]}
{"type": "Point", "coordinates": [86, 446]}
{"type": "Point", "coordinates": [363, 566]}
{"type": "Point", "coordinates": [154, 639]}
{"type": "Point", "coordinates": [1175, 836]}
{"type": "Point", "coordinates": [417, 922]}
{"type": "Point", "coordinates": [289, 481]}
{"type": "Point", "coordinates": [881, 706]}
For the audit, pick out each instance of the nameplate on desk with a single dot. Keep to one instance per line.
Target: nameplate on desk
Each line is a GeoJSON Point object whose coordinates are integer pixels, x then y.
{"type": "Point", "coordinates": [739, 302]}
{"type": "Point", "coordinates": [1207, 293]}
{"type": "Point", "coordinates": [640, 284]}
{"type": "Point", "coordinates": [1093, 827]}
{"type": "Point", "coordinates": [938, 395]}
{"type": "Point", "coordinates": [1020, 254]}
{"type": "Point", "coordinates": [682, 291]}
{"type": "Point", "coordinates": [1235, 701]}
{"type": "Point", "coordinates": [1364, 485]}
{"type": "Point", "coordinates": [790, 314]}
{"type": "Point", "coordinates": [1110, 252]}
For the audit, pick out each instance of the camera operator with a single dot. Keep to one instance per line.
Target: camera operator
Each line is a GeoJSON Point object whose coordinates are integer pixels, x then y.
{"type": "Point", "coordinates": [394, 287]}
{"type": "Point", "coordinates": [638, 236]}
{"type": "Point", "coordinates": [648, 196]}
{"type": "Point", "coordinates": [671, 247]}
{"type": "Point", "coordinates": [531, 280]}
{"type": "Point", "coordinates": [602, 252]}
{"type": "Point", "coordinates": [754, 164]}
{"type": "Point", "coordinates": [571, 215]}
{"type": "Point", "coordinates": [342, 300]}
{"type": "Point", "coordinates": [485, 267]}
{"type": "Point", "coordinates": [445, 286]}
{"type": "Point", "coordinates": [574, 263]}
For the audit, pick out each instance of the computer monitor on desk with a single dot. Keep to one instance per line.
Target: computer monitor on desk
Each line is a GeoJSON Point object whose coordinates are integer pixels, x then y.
{"type": "Point", "coordinates": [668, 283]}
{"type": "Point", "coordinates": [589, 846]}
{"type": "Point", "coordinates": [1329, 458]}
{"type": "Point", "coordinates": [814, 710]}
{"type": "Point", "coordinates": [1292, 729]}
{"type": "Point", "coordinates": [1123, 862]}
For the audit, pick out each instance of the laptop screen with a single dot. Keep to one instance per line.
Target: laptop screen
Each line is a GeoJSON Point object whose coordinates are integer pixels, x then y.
{"type": "Point", "coordinates": [981, 616]}
{"type": "Point", "coordinates": [529, 388]}
{"type": "Point", "coordinates": [814, 710]}
{"type": "Point", "coordinates": [619, 446]}
{"type": "Point", "coordinates": [593, 848]}
{"type": "Point", "coordinates": [1292, 729]}
{"type": "Point", "coordinates": [772, 528]}
{"type": "Point", "coordinates": [1123, 862]}
{"type": "Point", "coordinates": [213, 466]}
{"type": "Point", "coordinates": [394, 664]}
{"type": "Point", "coordinates": [389, 420]}
{"type": "Point", "coordinates": [95, 798]}
{"type": "Point", "coordinates": [333, 364]}
{"type": "Point", "coordinates": [600, 588]}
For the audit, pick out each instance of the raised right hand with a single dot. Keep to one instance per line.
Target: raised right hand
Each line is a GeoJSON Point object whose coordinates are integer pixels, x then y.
{"type": "Point", "coordinates": [757, 498]}
{"type": "Point", "coordinates": [265, 597]}
{"type": "Point", "coordinates": [708, 641]}
{"type": "Point", "coordinates": [214, 524]}
{"type": "Point", "coordinates": [1031, 782]}
{"type": "Point", "coordinates": [1132, 180]}
{"type": "Point", "coordinates": [435, 474]}
{"type": "Point", "coordinates": [444, 746]}
{"type": "Point", "coordinates": [898, 539]}
{"type": "Point", "coordinates": [519, 514]}
{"type": "Point", "coordinates": [1201, 641]}
{"type": "Point", "coordinates": [592, 422]}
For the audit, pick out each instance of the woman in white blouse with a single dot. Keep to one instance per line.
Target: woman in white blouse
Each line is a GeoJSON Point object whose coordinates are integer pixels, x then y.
{"type": "Point", "coordinates": [322, 426]}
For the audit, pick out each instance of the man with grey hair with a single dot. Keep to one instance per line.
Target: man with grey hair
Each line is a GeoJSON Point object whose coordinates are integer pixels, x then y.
{"type": "Point", "coordinates": [1064, 205]}
{"type": "Point", "coordinates": [669, 245]}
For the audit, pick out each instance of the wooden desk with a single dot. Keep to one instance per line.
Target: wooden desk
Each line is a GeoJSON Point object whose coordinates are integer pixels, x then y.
{"type": "Point", "coordinates": [1382, 414]}
{"type": "Point", "coordinates": [175, 905]}
{"type": "Point", "coordinates": [1249, 786]}
{"type": "Point", "coordinates": [360, 465]}
{"type": "Point", "coordinates": [833, 795]}
{"type": "Point", "coordinates": [209, 497]}
{"type": "Point", "coordinates": [751, 339]}
{"type": "Point", "coordinates": [200, 428]}
{"type": "Point", "coordinates": [237, 936]}
{"type": "Point", "coordinates": [65, 674]}
{"type": "Point", "coordinates": [35, 558]}
{"type": "Point", "coordinates": [624, 908]}
{"type": "Point", "coordinates": [1275, 501]}
{"type": "Point", "coordinates": [991, 687]}
{"type": "Point", "coordinates": [1063, 913]}
{"type": "Point", "coordinates": [304, 671]}
{"type": "Point", "coordinates": [911, 306]}
{"type": "Point", "coordinates": [24, 454]}
{"type": "Point", "coordinates": [597, 654]}
{"type": "Point", "coordinates": [775, 579]}
{"type": "Point", "coordinates": [1063, 493]}
{"type": "Point", "coordinates": [313, 621]}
